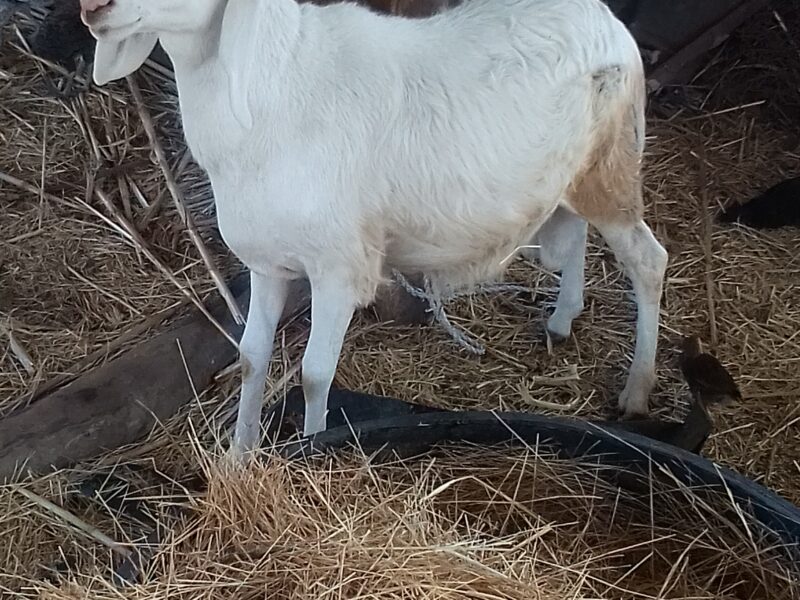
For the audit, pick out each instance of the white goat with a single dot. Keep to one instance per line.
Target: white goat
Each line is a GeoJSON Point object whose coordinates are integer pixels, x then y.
{"type": "Point", "coordinates": [342, 144]}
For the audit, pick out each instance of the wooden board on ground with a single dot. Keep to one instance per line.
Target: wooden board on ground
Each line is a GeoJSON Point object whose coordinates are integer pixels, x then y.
{"type": "Point", "coordinates": [123, 399]}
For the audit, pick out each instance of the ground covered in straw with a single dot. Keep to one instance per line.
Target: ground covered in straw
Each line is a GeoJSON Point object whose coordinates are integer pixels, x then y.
{"type": "Point", "coordinates": [72, 283]}
{"type": "Point", "coordinates": [480, 523]}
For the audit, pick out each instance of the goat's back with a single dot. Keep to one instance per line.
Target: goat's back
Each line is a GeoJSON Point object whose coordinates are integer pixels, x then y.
{"type": "Point", "coordinates": [441, 143]}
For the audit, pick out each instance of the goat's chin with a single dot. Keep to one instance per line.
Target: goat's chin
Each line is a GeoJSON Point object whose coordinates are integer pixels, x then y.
{"type": "Point", "coordinates": [113, 33]}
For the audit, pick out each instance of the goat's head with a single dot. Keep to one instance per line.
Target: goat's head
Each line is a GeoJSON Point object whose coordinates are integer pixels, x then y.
{"type": "Point", "coordinates": [127, 30]}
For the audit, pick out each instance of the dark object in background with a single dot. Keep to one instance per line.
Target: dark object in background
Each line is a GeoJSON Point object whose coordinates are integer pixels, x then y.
{"type": "Point", "coordinates": [779, 206]}
{"type": "Point", "coordinates": [62, 36]}
{"type": "Point", "coordinates": [406, 8]}
{"type": "Point", "coordinates": [394, 304]}
{"type": "Point", "coordinates": [626, 10]}
{"type": "Point", "coordinates": [284, 419]}
{"type": "Point", "coordinates": [709, 382]}
{"type": "Point", "coordinates": [7, 10]}
{"type": "Point", "coordinates": [631, 460]}
{"type": "Point", "coordinates": [144, 526]}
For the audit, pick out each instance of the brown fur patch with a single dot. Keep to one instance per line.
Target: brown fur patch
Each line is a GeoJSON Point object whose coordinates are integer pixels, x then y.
{"type": "Point", "coordinates": [609, 187]}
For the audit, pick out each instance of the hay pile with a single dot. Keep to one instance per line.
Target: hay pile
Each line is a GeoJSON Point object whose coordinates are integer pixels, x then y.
{"type": "Point", "coordinates": [465, 523]}
{"type": "Point", "coordinates": [72, 288]}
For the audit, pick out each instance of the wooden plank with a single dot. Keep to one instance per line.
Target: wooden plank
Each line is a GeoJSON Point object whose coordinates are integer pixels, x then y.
{"type": "Point", "coordinates": [120, 401]}
{"type": "Point", "coordinates": [676, 69]}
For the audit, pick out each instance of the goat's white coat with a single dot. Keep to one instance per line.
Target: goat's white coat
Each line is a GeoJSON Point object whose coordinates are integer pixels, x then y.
{"type": "Point", "coordinates": [342, 144]}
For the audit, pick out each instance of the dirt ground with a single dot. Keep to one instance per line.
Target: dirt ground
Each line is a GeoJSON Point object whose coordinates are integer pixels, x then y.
{"type": "Point", "coordinates": [71, 283]}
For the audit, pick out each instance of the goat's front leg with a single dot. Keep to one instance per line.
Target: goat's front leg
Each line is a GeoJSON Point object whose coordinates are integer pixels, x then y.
{"type": "Point", "coordinates": [332, 305]}
{"type": "Point", "coordinates": [267, 299]}
{"type": "Point", "coordinates": [645, 262]}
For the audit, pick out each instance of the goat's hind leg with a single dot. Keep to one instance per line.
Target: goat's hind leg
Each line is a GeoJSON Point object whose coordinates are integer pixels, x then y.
{"type": "Point", "coordinates": [267, 300]}
{"type": "Point", "coordinates": [645, 262]}
{"type": "Point", "coordinates": [333, 302]}
{"type": "Point", "coordinates": [562, 241]}
{"type": "Point", "coordinates": [560, 245]}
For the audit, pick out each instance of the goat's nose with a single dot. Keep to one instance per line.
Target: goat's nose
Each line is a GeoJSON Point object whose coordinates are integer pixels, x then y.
{"type": "Point", "coordinates": [89, 6]}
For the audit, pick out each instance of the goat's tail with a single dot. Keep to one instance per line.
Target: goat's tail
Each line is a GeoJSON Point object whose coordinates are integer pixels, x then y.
{"type": "Point", "coordinates": [620, 101]}
{"type": "Point", "coordinates": [609, 186]}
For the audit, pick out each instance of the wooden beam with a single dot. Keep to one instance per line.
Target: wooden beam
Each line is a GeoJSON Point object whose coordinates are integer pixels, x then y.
{"type": "Point", "coordinates": [676, 68]}
{"type": "Point", "coordinates": [123, 399]}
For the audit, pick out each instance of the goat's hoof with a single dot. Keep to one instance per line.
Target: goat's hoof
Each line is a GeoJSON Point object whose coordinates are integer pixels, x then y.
{"type": "Point", "coordinates": [235, 457]}
{"type": "Point", "coordinates": [556, 338]}
{"type": "Point", "coordinates": [559, 325]}
{"type": "Point", "coordinates": [633, 415]}
{"type": "Point", "coordinates": [552, 336]}
{"type": "Point", "coordinates": [316, 421]}
{"type": "Point", "coordinates": [633, 401]}
{"type": "Point", "coordinates": [240, 452]}
{"type": "Point", "coordinates": [310, 432]}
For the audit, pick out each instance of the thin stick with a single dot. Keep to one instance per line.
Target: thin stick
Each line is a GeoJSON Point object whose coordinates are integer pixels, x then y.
{"type": "Point", "coordinates": [82, 526]}
{"type": "Point", "coordinates": [18, 183]}
{"type": "Point", "coordinates": [18, 351]}
{"type": "Point", "coordinates": [707, 227]}
{"type": "Point", "coordinates": [137, 239]}
{"type": "Point", "coordinates": [153, 209]}
{"type": "Point", "coordinates": [180, 204]}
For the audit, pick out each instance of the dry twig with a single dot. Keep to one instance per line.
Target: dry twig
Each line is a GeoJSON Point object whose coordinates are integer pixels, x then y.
{"type": "Point", "coordinates": [180, 203]}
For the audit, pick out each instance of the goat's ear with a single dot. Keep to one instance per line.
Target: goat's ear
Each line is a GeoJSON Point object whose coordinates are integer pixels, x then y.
{"type": "Point", "coordinates": [115, 60]}
{"type": "Point", "coordinates": [238, 44]}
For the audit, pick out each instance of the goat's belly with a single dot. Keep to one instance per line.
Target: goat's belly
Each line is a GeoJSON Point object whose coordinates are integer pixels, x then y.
{"type": "Point", "coordinates": [459, 256]}
{"type": "Point", "coordinates": [268, 258]}
{"type": "Point", "coordinates": [454, 266]}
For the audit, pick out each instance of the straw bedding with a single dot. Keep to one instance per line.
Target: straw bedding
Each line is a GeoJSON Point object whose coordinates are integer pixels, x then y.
{"type": "Point", "coordinates": [72, 285]}
{"type": "Point", "coordinates": [464, 523]}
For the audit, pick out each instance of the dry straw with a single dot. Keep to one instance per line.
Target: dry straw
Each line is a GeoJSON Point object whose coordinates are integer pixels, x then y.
{"type": "Point", "coordinates": [74, 292]}
{"type": "Point", "coordinates": [480, 523]}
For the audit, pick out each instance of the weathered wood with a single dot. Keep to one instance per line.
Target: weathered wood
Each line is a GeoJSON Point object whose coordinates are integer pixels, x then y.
{"type": "Point", "coordinates": [122, 400]}
{"type": "Point", "coordinates": [678, 68]}
{"type": "Point", "coordinates": [669, 26]}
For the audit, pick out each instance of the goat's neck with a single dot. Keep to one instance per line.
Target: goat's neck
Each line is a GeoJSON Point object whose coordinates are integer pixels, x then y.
{"type": "Point", "coordinates": [274, 33]}
{"type": "Point", "coordinates": [203, 63]}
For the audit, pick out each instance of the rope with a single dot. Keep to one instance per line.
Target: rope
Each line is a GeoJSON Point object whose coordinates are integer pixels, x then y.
{"type": "Point", "coordinates": [436, 302]}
